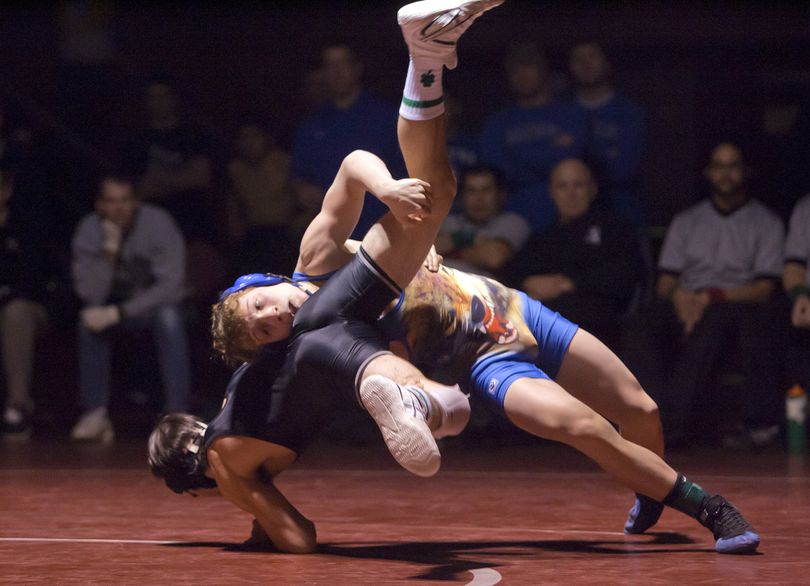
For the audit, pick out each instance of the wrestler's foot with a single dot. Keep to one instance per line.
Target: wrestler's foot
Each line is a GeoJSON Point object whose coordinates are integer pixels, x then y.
{"type": "Point", "coordinates": [401, 415]}
{"type": "Point", "coordinates": [733, 533]}
{"type": "Point", "coordinates": [644, 514]}
{"type": "Point", "coordinates": [432, 27]}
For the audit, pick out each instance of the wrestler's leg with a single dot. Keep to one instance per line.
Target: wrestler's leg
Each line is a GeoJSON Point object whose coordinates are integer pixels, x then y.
{"type": "Point", "coordinates": [592, 373]}
{"type": "Point", "coordinates": [449, 410]}
{"type": "Point", "coordinates": [399, 249]}
{"type": "Point", "coordinates": [410, 411]}
{"type": "Point", "coordinates": [545, 409]}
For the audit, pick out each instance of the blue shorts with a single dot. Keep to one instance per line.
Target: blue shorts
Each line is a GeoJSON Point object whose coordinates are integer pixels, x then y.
{"type": "Point", "coordinates": [493, 373]}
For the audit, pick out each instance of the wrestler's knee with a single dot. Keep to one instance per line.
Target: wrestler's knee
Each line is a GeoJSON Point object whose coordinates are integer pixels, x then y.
{"type": "Point", "coordinates": [642, 409]}
{"type": "Point", "coordinates": [584, 427]}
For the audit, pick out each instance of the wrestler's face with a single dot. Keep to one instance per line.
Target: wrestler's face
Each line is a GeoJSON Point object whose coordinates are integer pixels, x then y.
{"type": "Point", "coordinates": [269, 311]}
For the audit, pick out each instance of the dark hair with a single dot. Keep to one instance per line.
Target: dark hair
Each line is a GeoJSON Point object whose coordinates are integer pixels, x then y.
{"type": "Point", "coordinates": [116, 176]}
{"type": "Point", "coordinates": [481, 169]}
{"type": "Point", "coordinates": [169, 456]}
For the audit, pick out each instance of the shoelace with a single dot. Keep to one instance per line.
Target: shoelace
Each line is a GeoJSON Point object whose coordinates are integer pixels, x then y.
{"type": "Point", "coordinates": [415, 400]}
{"type": "Point", "coordinates": [726, 521]}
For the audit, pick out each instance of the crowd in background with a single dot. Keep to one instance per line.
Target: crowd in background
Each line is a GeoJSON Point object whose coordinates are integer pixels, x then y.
{"type": "Point", "coordinates": [714, 318]}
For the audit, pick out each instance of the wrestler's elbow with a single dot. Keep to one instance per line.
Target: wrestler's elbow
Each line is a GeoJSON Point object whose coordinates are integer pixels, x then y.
{"type": "Point", "coordinates": [301, 539]}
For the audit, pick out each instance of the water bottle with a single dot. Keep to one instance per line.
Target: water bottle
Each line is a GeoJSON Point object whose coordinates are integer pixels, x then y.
{"type": "Point", "coordinates": [795, 410]}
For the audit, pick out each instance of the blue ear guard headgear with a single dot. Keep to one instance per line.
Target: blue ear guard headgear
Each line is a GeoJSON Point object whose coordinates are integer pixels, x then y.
{"type": "Point", "coordinates": [253, 280]}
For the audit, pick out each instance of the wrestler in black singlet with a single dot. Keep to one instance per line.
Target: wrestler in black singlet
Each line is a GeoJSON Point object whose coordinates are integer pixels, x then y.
{"type": "Point", "coordinates": [295, 388]}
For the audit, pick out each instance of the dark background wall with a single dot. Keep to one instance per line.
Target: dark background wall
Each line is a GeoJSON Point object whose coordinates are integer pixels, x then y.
{"type": "Point", "coordinates": [703, 70]}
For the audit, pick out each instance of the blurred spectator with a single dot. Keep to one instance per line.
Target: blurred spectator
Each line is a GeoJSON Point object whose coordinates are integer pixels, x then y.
{"type": "Point", "coordinates": [588, 264]}
{"type": "Point", "coordinates": [616, 129]}
{"type": "Point", "coordinates": [129, 272]}
{"type": "Point", "coordinates": [482, 238]}
{"type": "Point", "coordinates": [173, 164]}
{"type": "Point", "coordinates": [23, 288]}
{"type": "Point", "coordinates": [717, 272]}
{"type": "Point", "coordinates": [525, 140]}
{"type": "Point", "coordinates": [351, 119]}
{"type": "Point", "coordinates": [261, 208]}
{"type": "Point", "coordinates": [796, 280]}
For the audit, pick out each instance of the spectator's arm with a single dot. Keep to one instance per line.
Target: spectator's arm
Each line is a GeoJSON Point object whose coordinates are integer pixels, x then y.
{"type": "Point", "coordinates": [92, 270]}
{"type": "Point", "coordinates": [168, 265]}
{"type": "Point", "coordinates": [488, 253]}
{"type": "Point", "coordinates": [496, 243]}
{"type": "Point", "coordinates": [794, 275]}
{"type": "Point", "coordinates": [666, 286]}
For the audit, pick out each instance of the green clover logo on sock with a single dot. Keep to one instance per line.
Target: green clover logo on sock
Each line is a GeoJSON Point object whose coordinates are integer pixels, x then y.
{"type": "Point", "coordinates": [428, 78]}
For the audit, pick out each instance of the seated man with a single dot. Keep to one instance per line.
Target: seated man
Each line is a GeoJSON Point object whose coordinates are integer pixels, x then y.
{"type": "Point", "coordinates": [481, 314]}
{"type": "Point", "coordinates": [482, 238]}
{"type": "Point", "coordinates": [129, 272]}
{"type": "Point", "coordinates": [717, 271]}
{"type": "Point", "coordinates": [588, 264]}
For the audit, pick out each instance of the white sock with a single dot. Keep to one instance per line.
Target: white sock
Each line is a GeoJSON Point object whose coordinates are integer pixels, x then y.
{"type": "Point", "coordinates": [423, 97]}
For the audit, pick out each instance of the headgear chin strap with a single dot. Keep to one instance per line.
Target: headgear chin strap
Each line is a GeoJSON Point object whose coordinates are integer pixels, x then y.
{"type": "Point", "coordinates": [253, 280]}
{"type": "Point", "coordinates": [193, 445]}
{"type": "Point", "coordinates": [190, 473]}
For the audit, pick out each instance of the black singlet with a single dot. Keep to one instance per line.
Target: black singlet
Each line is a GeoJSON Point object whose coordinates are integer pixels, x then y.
{"type": "Point", "coordinates": [294, 389]}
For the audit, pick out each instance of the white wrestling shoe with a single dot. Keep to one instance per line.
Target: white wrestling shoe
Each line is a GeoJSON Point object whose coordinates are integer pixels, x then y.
{"type": "Point", "coordinates": [431, 28]}
{"type": "Point", "coordinates": [402, 419]}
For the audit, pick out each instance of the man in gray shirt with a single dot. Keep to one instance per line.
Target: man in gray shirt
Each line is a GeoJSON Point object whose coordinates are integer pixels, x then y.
{"type": "Point", "coordinates": [718, 269]}
{"type": "Point", "coordinates": [128, 266]}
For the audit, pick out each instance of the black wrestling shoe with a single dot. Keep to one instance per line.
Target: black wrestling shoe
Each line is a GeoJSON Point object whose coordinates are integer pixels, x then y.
{"type": "Point", "coordinates": [733, 533]}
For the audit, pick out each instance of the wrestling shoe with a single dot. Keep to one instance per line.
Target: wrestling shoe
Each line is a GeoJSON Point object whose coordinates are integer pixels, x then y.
{"type": "Point", "coordinates": [643, 515]}
{"type": "Point", "coordinates": [94, 426]}
{"type": "Point", "coordinates": [431, 28]}
{"type": "Point", "coordinates": [401, 414]}
{"type": "Point", "coordinates": [733, 533]}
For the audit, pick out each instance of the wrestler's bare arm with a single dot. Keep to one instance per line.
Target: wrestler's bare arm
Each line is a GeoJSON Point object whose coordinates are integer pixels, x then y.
{"type": "Point", "coordinates": [236, 466]}
{"type": "Point", "coordinates": [323, 246]}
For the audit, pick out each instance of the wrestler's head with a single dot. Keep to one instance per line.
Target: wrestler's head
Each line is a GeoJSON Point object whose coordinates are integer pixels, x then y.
{"type": "Point", "coordinates": [176, 453]}
{"type": "Point", "coordinates": [257, 310]}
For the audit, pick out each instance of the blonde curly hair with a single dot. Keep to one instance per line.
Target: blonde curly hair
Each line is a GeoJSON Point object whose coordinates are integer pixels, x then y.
{"type": "Point", "coordinates": [229, 331]}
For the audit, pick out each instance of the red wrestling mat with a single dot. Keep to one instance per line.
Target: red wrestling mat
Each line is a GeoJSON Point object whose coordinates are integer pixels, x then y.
{"type": "Point", "coordinates": [521, 515]}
